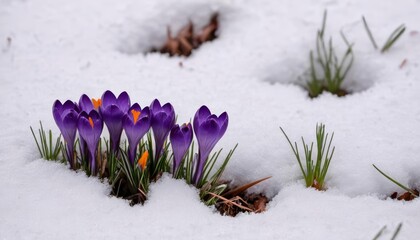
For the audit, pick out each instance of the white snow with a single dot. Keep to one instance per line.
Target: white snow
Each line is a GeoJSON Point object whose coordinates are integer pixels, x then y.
{"type": "Point", "coordinates": [61, 49]}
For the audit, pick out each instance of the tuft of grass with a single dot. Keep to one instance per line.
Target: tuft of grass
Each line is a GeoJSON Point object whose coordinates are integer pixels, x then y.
{"type": "Point", "coordinates": [395, 35]}
{"type": "Point", "coordinates": [47, 149]}
{"type": "Point", "coordinates": [136, 180]}
{"type": "Point", "coordinates": [332, 71]}
{"type": "Point", "coordinates": [210, 184]}
{"type": "Point", "coordinates": [397, 183]}
{"type": "Point", "coordinates": [156, 166]}
{"type": "Point", "coordinates": [314, 173]}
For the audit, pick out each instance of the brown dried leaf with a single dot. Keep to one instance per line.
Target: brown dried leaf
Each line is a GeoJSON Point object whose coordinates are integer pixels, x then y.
{"type": "Point", "coordinates": [241, 189]}
{"type": "Point", "coordinates": [187, 32]}
{"type": "Point", "coordinates": [171, 45]}
{"type": "Point", "coordinates": [208, 33]}
{"type": "Point", "coordinates": [394, 195]}
{"type": "Point", "coordinates": [403, 63]}
{"type": "Point", "coordinates": [185, 47]}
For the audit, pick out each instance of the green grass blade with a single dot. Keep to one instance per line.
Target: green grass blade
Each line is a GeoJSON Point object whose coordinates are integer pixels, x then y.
{"type": "Point", "coordinates": [369, 33]}
{"type": "Point", "coordinates": [395, 35]}
{"type": "Point", "coordinates": [50, 148]}
{"type": "Point", "coordinates": [324, 23]}
{"type": "Point", "coordinates": [397, 183]}
{"type": "Point", "coordinates": [397, 231]}
{"type": "Point", "coordinates": [379, 233]}
{"type": "Point", "coordinates": [36, 141]}
{"type": "Point", "coordinates": [295, 151]}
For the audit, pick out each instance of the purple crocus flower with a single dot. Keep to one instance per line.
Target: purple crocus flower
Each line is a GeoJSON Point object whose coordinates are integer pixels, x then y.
{"type": "Point", "coordinates": [181, 138]}
{"type": "Point", "coordinates": [113, 110]}
{"type": "Point", "coordinates": [90, 128]}
{"type": "Point", "coordinates": [65, 116]}
{"type": "Point", "coordinates": [208, 129]}
{"type": "Point", "coordinates": [163, 119]}
{"type": "Point", "coordinates": [136, 123]}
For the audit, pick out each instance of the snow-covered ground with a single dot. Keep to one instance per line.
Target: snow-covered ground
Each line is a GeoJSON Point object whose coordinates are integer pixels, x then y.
{"type": "Point", "coordinates": [55, 49]}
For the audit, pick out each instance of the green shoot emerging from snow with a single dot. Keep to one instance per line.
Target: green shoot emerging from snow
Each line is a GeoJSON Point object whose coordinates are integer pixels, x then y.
{"type": "Point", "coordinates": [327, 72]}
{"type": "Point", "coordinates": [314, 173]}
{"type": "Point", "coordinates": [47, 149]}
{"type": "Point", "coordinates": [395, 35]}
{"type": "Point", "coordinates": [411, 191]}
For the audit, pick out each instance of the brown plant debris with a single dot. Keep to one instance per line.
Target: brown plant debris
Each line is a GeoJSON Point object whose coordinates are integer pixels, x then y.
{"type": "Point", "coordinates": [407, 196]}
{"type": "Point", "coordinates": [255, 203]}
{"type": "Point", "coordinates": [236, 200]}
{"type": "Point", "coordinates": [187, 40]}
{"type": "Point", "coordinates": [403, 63]}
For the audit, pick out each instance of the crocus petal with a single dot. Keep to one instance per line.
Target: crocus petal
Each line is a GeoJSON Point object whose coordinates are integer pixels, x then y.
{"type": "Point", "coordinates": [223, 121]}
{"type": "Point", "coordinates": [155, 106]}
{"type": "Point", "coordinates": [70, 105]}
{"type": "Point", "coordinates": [108, 98]}
{"type": "Point", "coordinates": [56, 110]}
{"type": "Point", "coordinates": [167, 108]}
{"type": "Point", "coordinates": [113, 116]}
{"type": "Point", "coordinates": [158, 124]}
{"type": "Point", "coordinates": [90, 128]}
{"type": "Point", "coordinates": [123, 101]}
{"type": "Point", "coordinates": [69, 125]}
{"type": "Point", "coordinates": [85, 104]}
{"type": "Point", "coordinates": [202, 113]}
{"type": "Point", "coordinates": [181, 138]}
{"type": "Point", "coordinates": [207, 138]}
{"type": "Point", "coordinates": [163, 119]}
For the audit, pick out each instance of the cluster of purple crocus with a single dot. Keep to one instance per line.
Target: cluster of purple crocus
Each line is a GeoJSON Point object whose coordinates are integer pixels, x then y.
{"type": "Point", "coordinates": [89, 115]}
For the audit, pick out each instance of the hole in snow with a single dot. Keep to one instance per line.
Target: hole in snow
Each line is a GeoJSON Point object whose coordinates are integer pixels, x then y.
{"type": "Point", "coordinates": [296, 71]}
{"type": "Point", "coordinates": [182, 29]}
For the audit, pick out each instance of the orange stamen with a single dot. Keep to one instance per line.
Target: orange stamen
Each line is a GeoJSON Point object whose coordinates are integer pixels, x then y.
{"type": "Point", "coordinates": [136, 115]}
{"type": "Point", "coordinates": [143, 160]}
{"type": "Point", "coordinates": [96, 103]}
{"type": "Point", "coordinates": [91, 122]}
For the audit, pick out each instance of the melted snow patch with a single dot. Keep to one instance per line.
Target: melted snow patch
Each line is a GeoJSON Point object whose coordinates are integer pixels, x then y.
{"type": "Point", "coordinates": [141, 34]}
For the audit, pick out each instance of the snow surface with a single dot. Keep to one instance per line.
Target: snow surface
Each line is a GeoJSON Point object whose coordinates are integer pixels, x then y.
{"type": "Point", "coordinates": [60, 49]}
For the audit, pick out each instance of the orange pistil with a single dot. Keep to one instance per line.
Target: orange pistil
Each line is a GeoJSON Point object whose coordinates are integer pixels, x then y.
{"type": "Point", "coordinates": [136, 115]}
{"type": "Point", "coordinates": [91, 122]}
{"type": "Point", "coordinates": [96, 103]}
{"type": "Point", "coordinates": [143, 160]}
